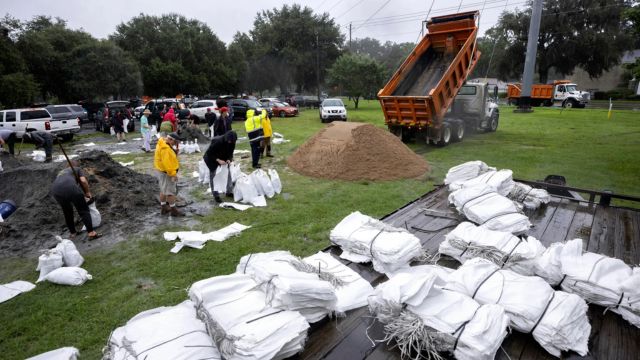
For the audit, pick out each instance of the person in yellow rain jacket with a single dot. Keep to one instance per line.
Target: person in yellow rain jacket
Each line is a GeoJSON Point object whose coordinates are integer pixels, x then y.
{"type": "Point", "coordinates": [165, 161]}
{"type": "Point", "coordinates": [255, 132]}
{"type": "Point", "coordinates": [266, 142]}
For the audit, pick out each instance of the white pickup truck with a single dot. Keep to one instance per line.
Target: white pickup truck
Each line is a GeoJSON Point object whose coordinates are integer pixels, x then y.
{"type": "Point", "coordinates": [199, 108]}
{"type": "Point", "coordinates": [40, 119]}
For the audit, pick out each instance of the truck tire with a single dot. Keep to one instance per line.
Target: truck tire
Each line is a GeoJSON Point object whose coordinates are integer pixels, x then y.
{"type": "Point", "coordinates": [446, 135]}
{"type": "Point", "coordinates": [569, 103]}
{"type": "Point", "coordinates": [402, 133]}
{"type": "Point", "coordinates": [66, 137]}
{"type": "Point", "coordinates": [492, 125]}
{"type": "Point", "coordinates": [458, 133]}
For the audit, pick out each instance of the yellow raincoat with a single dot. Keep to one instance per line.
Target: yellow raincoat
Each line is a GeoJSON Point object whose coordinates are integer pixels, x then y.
{"type": "Point", "coordinates": [165, 159]}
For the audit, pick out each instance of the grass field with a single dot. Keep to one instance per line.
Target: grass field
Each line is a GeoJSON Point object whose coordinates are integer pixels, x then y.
{"type": "Point", "coordinates": [140, 273]}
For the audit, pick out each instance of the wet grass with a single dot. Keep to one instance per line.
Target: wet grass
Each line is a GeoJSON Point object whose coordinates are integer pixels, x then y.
{"type": "Point", "coordinates": [140, 273]}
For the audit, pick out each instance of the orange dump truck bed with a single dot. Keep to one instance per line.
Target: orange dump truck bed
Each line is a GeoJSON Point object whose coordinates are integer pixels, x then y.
{"type": "Point", "coordinates": [538, 91]}
{"type": "Point", "coordinates": [419, 93]}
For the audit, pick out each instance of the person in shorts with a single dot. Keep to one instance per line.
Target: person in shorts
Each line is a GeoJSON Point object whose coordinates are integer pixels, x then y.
{"type": "Point", "coordinates": [166, 164]}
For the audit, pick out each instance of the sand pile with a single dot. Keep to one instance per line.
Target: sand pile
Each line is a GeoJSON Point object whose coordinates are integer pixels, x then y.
{"type": "Point", "coordinates": [356, 151]}
{"type": "Point", "coordinates": [193, 133]}
{"type": "Point", "coordinates": [123, 197]}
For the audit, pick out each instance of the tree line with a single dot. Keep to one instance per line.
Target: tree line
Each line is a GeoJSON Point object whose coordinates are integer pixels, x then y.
{"type": "Point", "coordinates": [288, 49]}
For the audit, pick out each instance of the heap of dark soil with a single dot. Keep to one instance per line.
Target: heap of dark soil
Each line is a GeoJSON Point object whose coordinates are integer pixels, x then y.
{"type": "Point", "coordinates": [192, 133]}
{"type": "Point", "coordinates": [123, 197]}
{"type": "Point", "coordinates": [356, 151]}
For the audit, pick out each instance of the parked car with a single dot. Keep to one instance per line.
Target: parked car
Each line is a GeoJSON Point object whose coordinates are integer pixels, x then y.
{"type": "Point", "coordinates": [40, 119]}
{"type": "Point", "coordinates": [68, 112]}
{"type": "Point", "coordinates": [103, 123]}
{"type": "Point", "coordinates": [332, 109]}
{"type": "Point", "coordinates": [199, 109]}
{"type": "Point", "coordinates": [283, 109]}
{"type": "Point", "coordinates": [311, 101]}
{"type": "Point", "coordinates": [137, 112]}
{"type": "Point", "coordinates": [240, 107]}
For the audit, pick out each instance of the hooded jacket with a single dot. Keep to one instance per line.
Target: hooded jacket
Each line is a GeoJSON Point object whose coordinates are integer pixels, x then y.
{"type": "Point", "coordinates": [165, 159]}
{"type": "Point", "coordinates": [266, 125]}
{"type": "Point", "coordinates": [253, 125]}
{"type": "Point", "coordinates": [171, 116]}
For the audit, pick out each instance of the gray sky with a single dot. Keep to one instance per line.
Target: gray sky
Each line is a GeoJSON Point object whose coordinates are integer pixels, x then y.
{"type": "Point", "coordinates": [394, 20]}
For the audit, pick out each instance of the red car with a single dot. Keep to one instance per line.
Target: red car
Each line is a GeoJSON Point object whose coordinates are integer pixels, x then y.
{"type": "Point", "coordinates": [283, 109]}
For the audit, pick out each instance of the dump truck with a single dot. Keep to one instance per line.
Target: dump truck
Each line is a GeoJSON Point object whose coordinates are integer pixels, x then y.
{"type": "Point", "coordinates": [561, 92]}
{"type": "Point", "coordinates": [418, 97]}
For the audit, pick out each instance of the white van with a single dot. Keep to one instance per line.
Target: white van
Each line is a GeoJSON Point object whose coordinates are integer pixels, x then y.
{"type": "Point", "coordinates": [40, 119]}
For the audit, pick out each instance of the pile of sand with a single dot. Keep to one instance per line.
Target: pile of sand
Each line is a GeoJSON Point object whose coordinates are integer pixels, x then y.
{"type": "Point", "coordinates": [356, 151]}
{"type": "Point", "coordinates": [124, 198]}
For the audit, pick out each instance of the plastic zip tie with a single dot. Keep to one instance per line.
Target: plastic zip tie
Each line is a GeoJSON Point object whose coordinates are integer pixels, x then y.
{"type": "Point", "coordinates": [511, 252]}
{"type": "Point", "coordinates": [483, 281]}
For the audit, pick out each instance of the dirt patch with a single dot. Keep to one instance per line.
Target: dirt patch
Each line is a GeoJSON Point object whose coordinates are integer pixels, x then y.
{"type": "Point", "coordinates": [123, 198]}
{"type": "Point", "coordinates": [356, 151]}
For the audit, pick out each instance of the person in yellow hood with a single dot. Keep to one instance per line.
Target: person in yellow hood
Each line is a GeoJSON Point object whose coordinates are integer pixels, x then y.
{"type": "Point", "coordinates": [165, 161]}
{"type": "Point", "coordinates": [255, 132]}
{"type": "Point", "coordinates": [266, 141]}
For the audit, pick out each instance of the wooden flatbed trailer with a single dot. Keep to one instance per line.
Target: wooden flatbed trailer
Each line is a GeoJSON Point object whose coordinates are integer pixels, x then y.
{"type": "Point", "coordinates": [609, 230]}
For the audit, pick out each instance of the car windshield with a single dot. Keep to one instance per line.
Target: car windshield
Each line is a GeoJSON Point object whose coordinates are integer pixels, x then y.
{"type": "Point", "coordinates": [253, 103]}
{"type": "Point", "coordinates": [77, 108]}
{"type": "Point", "coordinates": [279, 104]}
{"type": "Point", "coordinates": [571, 88]}
{"type": "Point", "coordinates": [332, 102]}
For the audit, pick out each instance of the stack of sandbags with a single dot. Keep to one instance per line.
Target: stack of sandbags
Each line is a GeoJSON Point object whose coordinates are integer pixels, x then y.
{"type": "Point", "coordinates": [241, 322]}
{"type": "Point", "coordinates": [162, 333]}
{"type": "Point", "coordinates": [420, 316]}
{"type": "Point", "coordinates": [466, 171]}
{"type": "Point", "coordinates": [291, 284]}
{"type": "Point", "coordinates": [482, 205]}
{"type": "Point", "coordinates": [501, 180]}
{"type": "Point", "coordinates": [350, 288]}
{"type": "Point", "coordinates": [61, 265]}
{"type": "Point", "coordinates": [601, 280]}
{"type": "Point", "coordinates": [529, 197]}
{"type": "Point", "coordinates": [365, 239]}
{"type": "Point", "coordinates": [517, 253]}
{"type": "Point", "coordinates": [556, 319]}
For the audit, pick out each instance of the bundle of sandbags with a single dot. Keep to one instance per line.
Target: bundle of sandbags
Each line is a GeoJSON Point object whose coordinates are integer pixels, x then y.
{"type": "Point", "coordinates": [517, 253]}
{"type": "Point", "coordinates": [241, 323]}
{"type": "Point", "coordinates": [350, 288]}
{"type": "Point", "coordinates": [61, 265]}
{"type": "Point", "coordinates": [501, 180]}
{"type": "Point", "coordinates": [598, 279]}
{"type": "Point", "coordinates": [172, 332]}
{"type": "Point", "coordinates": [466, 171]}
{"type": "Point", "coordinates": [556, 319]}
{"type": "Point", "coordinates": [528, 196]}
{"type": "Point", "coordinates": [292, 284]}
{"type": "Point", "coordinates": [482, 205]}
{"type": "Point", "coordinates": [365, 239]}
{"type": "Point", "coordinates": [252, 188]}
{"type": "Point", "coordinates": [421, 316]}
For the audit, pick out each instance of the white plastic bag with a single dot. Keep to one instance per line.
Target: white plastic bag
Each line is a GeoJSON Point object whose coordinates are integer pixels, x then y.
{"type": "Point", "coordinates": [72, 275]}
{"type": "Point", "coordinates": [65, 353]}
{"type": "Point", "coordinates": [38, 155]}
{"type": "Point", "coordinates": [112, 131]}
{"type": "Point", "coordinates": [263, 183]}
{"type": "Point", "coordinates": [154, 131]}
{"type": "Point", "coordinates": [125, 124]}
{"type": "Point", "coordinates": [1, 166]}
{"type": "Point", "coordinates": [70, 255]}
{"type": "Point", "coordinates": [96, 218]}
{"type": "Point", "coordinates": [220, 179]}
{"type": "Point", "coordinates": [246, 189]}
{"type": "Point", "coordinates": [235, 171]}
{"type": "Point", "coordinates": [49, 261]}
{"type": "Point", "coordinates": [275, 181]}
{"type": "Point", "coordinates": [203, 172]}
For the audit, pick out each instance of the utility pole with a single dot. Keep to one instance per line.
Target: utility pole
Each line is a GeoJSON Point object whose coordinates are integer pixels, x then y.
{"type": "Point", "coordinates": [318, 64]}
{"type": "Point", "coordinates": [350, 37]}
{"type": "Point", "coordinates": [524, 104]}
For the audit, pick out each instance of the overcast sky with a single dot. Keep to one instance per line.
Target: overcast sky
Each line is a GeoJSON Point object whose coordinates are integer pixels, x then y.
{"type": "Point", "coordinates": [394, 20]}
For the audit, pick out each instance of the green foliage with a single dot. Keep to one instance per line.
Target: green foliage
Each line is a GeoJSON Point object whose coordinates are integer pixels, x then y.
{"type": "Point", "coordinates": [17, 89]}
{"type": "Point", "coordinates": [390, 54]}
{"type": "Point", "coordinates": [590, 34]}
{"type": "Point", "coordinates": [176, 55]}
{"type": "Point", "coordinates": [358, 75]}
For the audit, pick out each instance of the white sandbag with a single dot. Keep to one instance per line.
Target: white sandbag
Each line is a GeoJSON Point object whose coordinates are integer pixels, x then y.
{"type": "Point", "coordinates": [275, 181]}
{"type": "Point", "coordinates": [125, 164]}
{"type": "Point", "coordinates": [226, 232]}
{"type": "Point", "coordinates": [172, 332]}
{"type": "Point", "coordinates": [466, 171]}
{"type": "Point", "coordinates": [70, 254]}
{"type": "Point", "coordinates": [154, 131]}
{"type": "Point", "coordinates": [501, 180]}
{"type": "Point", "coordinates": [1, 169]}
{"type": "Point", "coordinates": [47, 262]}
{"type": "Point", "coordinates": [220, 179]}
{"type": "Point", "coordinates": [263, 183]}
{"type": "Point", "coordinates": [96, 218]}
{"type": "Point", "coordinates": [39, 155]}
{"type": "Point", "coordinates": [557, 320]}
{"type": "Point", "coordinates": [234, 169]}
{"type": "Point", "coordinates": [258, 201]}
{"type": "Point", "coordinates": [363, 239]}
{"type": "Point", "coordinates": [529, 197]}
{"type": "Point", "coordinates": [13, 289]}
{"type": "Point", "coordinates": [120, 152]}
{"type": "Point", "coordinates": [125, 124]}
{"type": "Point", "coordinates": [203, 172]}
{"type": "Point", "coordinates": [112, 131]}
{"type": "Point", "coordinates": [511, 252]}
{"type": "Point", "coordinates": [236, 206]}
{"type": "Point", "coordinates": [351, 291]}
{"type": "Point", "coordinates": [65, 353]}
{"type": "Point", "coordinates": [246, 188]}
{"type": "Point", "coordinates": [482, 205]}
{"type": "Point", "coordinates": [419, 314]}
{"type": "Point", "coordinates": [68, 276]}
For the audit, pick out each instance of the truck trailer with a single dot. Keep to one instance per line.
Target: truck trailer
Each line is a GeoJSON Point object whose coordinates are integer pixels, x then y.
{"type": "Point", "coordinates": [561, 92]}
{"type": "Point", "coordinates": [419, 96]}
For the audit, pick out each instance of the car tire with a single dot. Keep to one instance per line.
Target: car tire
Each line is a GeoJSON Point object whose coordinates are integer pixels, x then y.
{"type": "Point", "coordinates": [445, 139]}
{"type": "Point", "coordinates": [282, 114]}
{"type": "Point", "coordinates": [458, 133]}
{"type": "Point", "coordinates": [492, 125]}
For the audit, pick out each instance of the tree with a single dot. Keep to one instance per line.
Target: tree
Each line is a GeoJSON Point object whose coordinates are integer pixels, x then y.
{"type": "Point", "coordinates": [17, 90]}
{"type": "Point", "coordinates": [633, 16]}
{"type": "Point", "coordinates": [291, 39]}
{"type": "Point", "coordinates": [102, 69]}
{"type": "Point", "coordinates": [590, 34]}
{"type": "Point", "coordinates": [358, 74]}
{"type": "Point", "coordinates": [17, 87]}
{"type": "Point", "coordinates": [162, 45]}
{"type": "Point", "coordinates": [390, 54]}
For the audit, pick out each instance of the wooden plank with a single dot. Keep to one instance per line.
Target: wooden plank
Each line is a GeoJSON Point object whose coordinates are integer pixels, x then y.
{"type": "Point", "coordinates": [356, 344]}
{"type": "Point", "coordinates": [581, 223]}
{"type": "Point", "coordinates": [512, 346]}
{"type": "Point", "coordinates": [625, 236]}
{"type": "Point", "coordinates": [328, 333]}
{"type": "Point", "coordinates": [612, 337]}
{"type": "Point", "coordinates": [541, 218]}
{"type": "Point", "coordinates": [560, 222]}
{"type": "Point", "coordinates": [635, 247]}
{"type": "Point", "coordinates": [533, 351]}
{"type": "Point", "coordinates": [602, 232]}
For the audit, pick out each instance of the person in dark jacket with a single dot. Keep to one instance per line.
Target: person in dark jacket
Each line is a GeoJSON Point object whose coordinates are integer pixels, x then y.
{"type": "Point", "coordinates": [220, 152]}
{"type": "Point", "coordinates": [42, 139]}
{"type": "Point", "coordinates": [72, 190]}
{"type": "Point", "coordinates": [210, 117]}
{"type": "Point", "coordinates": [8, 137]}
{"type": "Point", "coordinates": [118, 125]}
{"type": "Point", "coordinates": [222, 123]}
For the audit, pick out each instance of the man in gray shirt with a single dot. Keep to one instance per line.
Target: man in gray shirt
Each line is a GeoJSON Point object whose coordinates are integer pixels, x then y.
{"type": "Point", "coordinates": [42, 139]}
{"type": "Point", "coordinates": [8, 137]}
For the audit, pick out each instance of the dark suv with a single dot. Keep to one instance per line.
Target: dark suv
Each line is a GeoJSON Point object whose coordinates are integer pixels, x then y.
{"type": "Point", "coordinates": [240, 107]}
{"type": "Point", "coordinates": [103, 123]}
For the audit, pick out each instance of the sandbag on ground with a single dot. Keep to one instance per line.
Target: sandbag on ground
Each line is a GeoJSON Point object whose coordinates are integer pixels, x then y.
{"type": "Point", "coordinates": [65, 353]}
{"type": "Point", "coordinates": [13, 289]}
{"type": "Point", "coordinates": [556, 319]}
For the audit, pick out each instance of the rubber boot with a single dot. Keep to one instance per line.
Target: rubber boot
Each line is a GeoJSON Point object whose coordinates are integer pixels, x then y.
{"type": "Point", "coordinates": [165, 209]}
{"type": "Point", "coordinates": [175, 212]}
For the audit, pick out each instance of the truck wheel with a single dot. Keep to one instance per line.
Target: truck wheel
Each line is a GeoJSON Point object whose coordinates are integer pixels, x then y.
{"type": "Point", "coordinates": [445, 138]}
{"type": "Point", "coordinates": [569, 103]}
{"type": "Point", "coordinates": [66, 137]}
{"type": "Point", "coordinates": [458, 134]}
{"type": "Point", "coordinates": [493, 123]}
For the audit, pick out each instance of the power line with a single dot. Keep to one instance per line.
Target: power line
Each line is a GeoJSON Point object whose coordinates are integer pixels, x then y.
{"type": "Point", "coordinates": [375, 12]}
{"type": "Point", "coordinates": [351, 8]}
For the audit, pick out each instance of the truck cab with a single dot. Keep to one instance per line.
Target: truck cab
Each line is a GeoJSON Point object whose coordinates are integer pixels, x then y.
{"type": "Point", "coordinates": [473, 108]}
{"type": "Point", "coordinates": [568, 95]}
